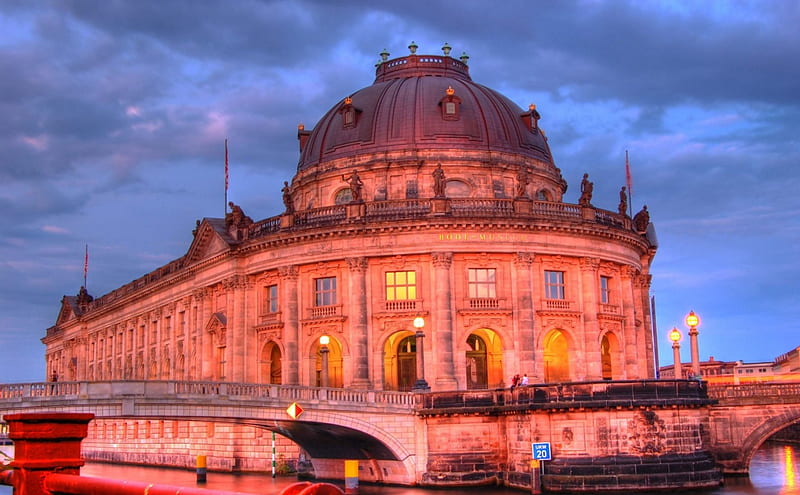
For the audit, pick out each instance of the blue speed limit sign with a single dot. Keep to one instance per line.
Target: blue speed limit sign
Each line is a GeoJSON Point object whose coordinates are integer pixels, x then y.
{"type": "Point", "coordinates": [541, 451]}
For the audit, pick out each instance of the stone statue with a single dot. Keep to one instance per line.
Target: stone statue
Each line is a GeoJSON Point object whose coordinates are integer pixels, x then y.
{"type": "Point", "coordinates": [623, 201]}
{"type": "Point", "coordinates": [438, 182]}
{"type": "Point", "coordinates": [523, 179]}
{"type": "Point", "coordinates": [287, 198]}
{"type": "Point", "coordinates": [356, 185]}
{"type": "Point", "coordinates": [641, 220]}
{"type": "Point", "coordinates": [586, 191]}
{"type": "Point", "coordinates": [236, 217]}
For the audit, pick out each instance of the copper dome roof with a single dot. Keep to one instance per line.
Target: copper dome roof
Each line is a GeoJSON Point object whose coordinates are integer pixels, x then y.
{"type": "Point", "coordinates": [403, 110]}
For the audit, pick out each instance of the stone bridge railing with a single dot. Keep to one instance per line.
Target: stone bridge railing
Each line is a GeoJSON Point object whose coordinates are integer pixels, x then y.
{"type": "Point", "coordinates": [756, 393]}
{"type": "Point", "coordinates": [16, 394]}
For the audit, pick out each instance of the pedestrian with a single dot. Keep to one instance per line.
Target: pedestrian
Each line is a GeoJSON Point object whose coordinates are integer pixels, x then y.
{"type": "Point", "coordinates": [524, 381]}
{"type": "Point", "coordinates": [514, 381]}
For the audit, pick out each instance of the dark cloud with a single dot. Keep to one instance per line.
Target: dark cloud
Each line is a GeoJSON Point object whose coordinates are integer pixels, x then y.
{"type": "Point", "coordinates": [115, 114]}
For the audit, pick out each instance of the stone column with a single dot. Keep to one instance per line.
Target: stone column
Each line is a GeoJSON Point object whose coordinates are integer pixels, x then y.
{"type": "Point", "coordinates": [290, 308]}
{"type": "Point", "coordinates": [443, 322]}
{"type": "Point", "coordinates": [591, 329]}
{"type": "Point", "coordinates": [629, 323]}
{"type": "Point", "coordinates": [524, 308]}
{"type": "Point", "coordinates": [359, 331]}
{"type": "Point", "coordinates": [205, 340]}
{"type": "Point", "coordinates": [646, 344]}
{"type": "Point", "coordinates": [236, 333]}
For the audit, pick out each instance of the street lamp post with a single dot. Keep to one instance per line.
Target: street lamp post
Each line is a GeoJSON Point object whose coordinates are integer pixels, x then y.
{"type": "Point", "coordinates": [692, 320]}
{"type": "Point", "coordinates": [675, 337]}
{"type": "Point", "coordinates": [420, 385]}
{"type": "Point", "coordinates": [324, 340]}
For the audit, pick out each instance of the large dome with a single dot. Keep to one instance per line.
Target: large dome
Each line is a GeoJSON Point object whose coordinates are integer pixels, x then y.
{"type": "Point", "coordinates": [423, 102]}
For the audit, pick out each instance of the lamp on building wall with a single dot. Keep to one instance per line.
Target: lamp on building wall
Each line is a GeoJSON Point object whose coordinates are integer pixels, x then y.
{"type": "Point", "coordinates": [692, 321]}
{"type": "Point", "coordinates": [420, 384]}
{"type": "Point", "coordinates": [675, 337]}
{"type": "Point", "coordinates": [324, 340]}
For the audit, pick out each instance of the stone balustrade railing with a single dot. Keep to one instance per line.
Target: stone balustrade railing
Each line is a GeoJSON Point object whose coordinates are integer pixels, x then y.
{"type": "Point", "coordinates": [755, 393]}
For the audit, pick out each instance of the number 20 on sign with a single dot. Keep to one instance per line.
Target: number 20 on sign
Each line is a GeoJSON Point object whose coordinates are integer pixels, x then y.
{"type": "Point", "coordinates": [541, 451]}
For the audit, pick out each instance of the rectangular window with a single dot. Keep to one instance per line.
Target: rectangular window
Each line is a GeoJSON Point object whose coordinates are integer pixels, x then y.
{"type": "Point", "coordinates": [325, 291]}
{"type": "Point", "coordinates": [482, 283]}
{"type": "Point", "coordinates": [605, 290]}
{"type": "Point", "coordinates": [554, 285]}
{"type": "Point", "coordinates": [271, 299]}
{"type": "Point", "coordinates": [401, 286]}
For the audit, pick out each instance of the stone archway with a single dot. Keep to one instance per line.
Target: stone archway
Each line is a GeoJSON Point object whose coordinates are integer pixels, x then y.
{"type": "Point", "coordinates": [757, 437]}
{"type": "Point", "coordinates": [335, 364]}
{"type": "Point", "coordinates": [483, 355]}
{"type": "Point", "coordinates": [610, 357]}
{"type": "Point", "coordinates": [400, 361]}
{"type": "Point", "coordinates": [271, 364]}
{"type": "Point", "coordinates": [556, 357]}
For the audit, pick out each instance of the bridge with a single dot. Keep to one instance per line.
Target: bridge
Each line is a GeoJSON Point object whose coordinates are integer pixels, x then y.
{"type": "Point", "coordinates": [604, 435]}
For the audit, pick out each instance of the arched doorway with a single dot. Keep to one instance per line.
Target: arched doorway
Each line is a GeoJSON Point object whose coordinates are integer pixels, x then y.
{"type": "Point", "coordinates": [400, 361]}
{"type": "Point", "coordinates": [335, 375]}
{"type": "Point", "coordinates": [483, 359]}
{"type": "Point", "coordinates": [556, 357]}
{"type": "Point", "coordinates": [610, 357]}
{"type": "Point", "coordinates": [271, 364]}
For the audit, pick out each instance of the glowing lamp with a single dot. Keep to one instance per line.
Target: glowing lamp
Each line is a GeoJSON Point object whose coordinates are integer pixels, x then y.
{"type": "Point", "coordinates": [419, 322]}
{"type": "Point", "coordinates": [324, 340]}
{"type": "Point", "coordinates": [692, 320]}
{"type": "Point", "coordinates": [675, 335]}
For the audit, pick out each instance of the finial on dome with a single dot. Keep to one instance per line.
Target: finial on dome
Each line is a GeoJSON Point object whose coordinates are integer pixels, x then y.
{"type": "Point", "coordinates": [450, 91]}
{"type": "Point", "coordinates": [384, 55]}
{"type": "Point", "coordinates": [446, 50]}
{"type": "Point", "coordinates": [464, 57]}
{"type": "Point", "coordinates": [532, 107]}
{"type": "Point", "coordinates": [348, 100]}
{"type": "Point", "coordinates": [412, 48]}
{"type": "Point", "coordinates": [300, 127]}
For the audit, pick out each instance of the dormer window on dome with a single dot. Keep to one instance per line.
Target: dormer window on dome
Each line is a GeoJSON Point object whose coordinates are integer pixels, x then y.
{"type": "Point", "coordinates": [531, 118]}
{"type": "Point", "coordinates": [450, 104]}
{"type": "Point", "coordinates": [349, 114]}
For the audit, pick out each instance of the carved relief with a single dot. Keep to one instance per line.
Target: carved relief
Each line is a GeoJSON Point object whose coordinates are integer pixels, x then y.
{"type": "Point", "coordinates": [646, 433]}
{"type": "Point", "coordinates": [523, 260]}
{"type": "Point", "coordinates": [358, 264]}
{"type": "Point", "coordinates": [442, 260]}
{"type": "Point", "coordinates": [290, 271]}
{"type": "Point", "coordinates": [484, 322]}
{"type": "Point", "coordinates": [589, 264]}
{"type": "Point", "coordinates": [564, 323]}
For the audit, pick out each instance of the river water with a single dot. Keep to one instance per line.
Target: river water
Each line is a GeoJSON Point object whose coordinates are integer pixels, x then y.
{"type": "Point", "coordinates": [774, 470]}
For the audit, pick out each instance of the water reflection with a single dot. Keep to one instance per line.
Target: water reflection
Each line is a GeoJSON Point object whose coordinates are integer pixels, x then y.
{"type": "Point", "coordinates": [773, 471]}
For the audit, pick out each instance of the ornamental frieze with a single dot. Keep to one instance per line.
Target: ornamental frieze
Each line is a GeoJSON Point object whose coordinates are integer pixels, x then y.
{"type": "Point", "coordinates": [290, 271]}
{"type": "Point", "coordinates": [563, 323]}
{"type": "Point", "coordinates": [358, 264]}
{"type": "Point", "coordinates": [489, 323]}
{"type": "Point", "coordinates": [442, 260]}
{"type": "Point", "coordinates": [589, 264]}
{"type": "Point", "coordinates": [524, 260]}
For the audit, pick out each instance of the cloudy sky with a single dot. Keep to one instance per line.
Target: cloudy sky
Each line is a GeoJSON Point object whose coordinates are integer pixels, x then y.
{"type": "Point", "coordinates": [114, 116]}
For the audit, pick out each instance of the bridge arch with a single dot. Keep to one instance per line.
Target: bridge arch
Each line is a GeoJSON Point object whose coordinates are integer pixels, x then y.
{"type": "Point", "coordinates": [764, 431]}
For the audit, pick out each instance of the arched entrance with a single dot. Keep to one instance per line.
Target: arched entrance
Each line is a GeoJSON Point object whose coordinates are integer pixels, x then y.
{"type": "Point", "coordinates": [483, 359]}
{"type": "Point", "coordinates": [400, 361]}
{"type": "Point", "coordinates": [610, 358]}
{"type": "Point", "coordinates": [556, 357]}
{"type": "Point", "coordinates": [271, 364]}
{"type": "Point", "coordinates": [334, 362]}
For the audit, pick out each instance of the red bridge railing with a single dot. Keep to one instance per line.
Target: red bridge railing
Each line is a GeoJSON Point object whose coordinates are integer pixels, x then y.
{"type": "Point", "coordinates": [47, 461]}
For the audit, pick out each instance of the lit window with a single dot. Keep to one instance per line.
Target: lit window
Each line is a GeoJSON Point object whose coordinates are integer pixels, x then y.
{"type": "Point", "coordinates": [482, 283]}
{"type": "Point", "coordinates": [401, 286]}
{"type": "Point", "coordinates": [554, 285]}
{"type": "Point", "coordinates": [271, 299]}
{"type": "Point", "coordinates": [325, 291]}
{"type": "Point", "coordinates": [605, 290]}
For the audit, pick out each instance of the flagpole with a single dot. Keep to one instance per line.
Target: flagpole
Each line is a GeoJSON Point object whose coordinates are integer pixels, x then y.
{"type": "Point", "coordinates": [85, 265]}
{"type": "Point", "coordinates": [628, 183]}
{"type": "Point", "coordinates": [225, 205]}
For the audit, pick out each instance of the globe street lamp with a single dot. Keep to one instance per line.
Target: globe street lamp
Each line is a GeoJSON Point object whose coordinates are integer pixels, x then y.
{"type": "Point", "coordinates": [420, 385]}
{"type": "Point", "coordinates": [692, 320]}
{"type": "Point", "coordinates": [324, 340]}
{"type": "Point", "coordinates": [675, 337]}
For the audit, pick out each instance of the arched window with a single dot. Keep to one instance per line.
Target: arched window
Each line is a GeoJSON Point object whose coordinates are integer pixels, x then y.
{"type": "Point", "coordinates": [556, 357]}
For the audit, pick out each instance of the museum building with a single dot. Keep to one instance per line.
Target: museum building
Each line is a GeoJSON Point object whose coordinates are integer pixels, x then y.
{"type": "Point", "coordinates": [426, 240]}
